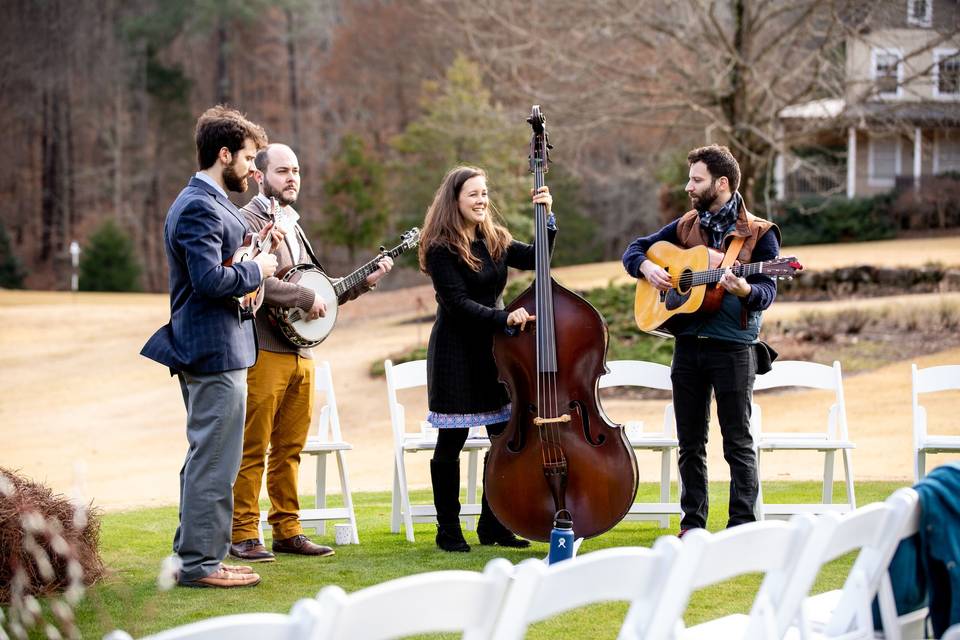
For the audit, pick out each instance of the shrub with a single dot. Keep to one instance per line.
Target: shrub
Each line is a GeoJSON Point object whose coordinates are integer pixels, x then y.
{"type": "Point", "coordinates": [826, 220]}
{"type": "Point", "coordinates": [108, 263]}
{"type": "Point", "coordinates": [12, 272]}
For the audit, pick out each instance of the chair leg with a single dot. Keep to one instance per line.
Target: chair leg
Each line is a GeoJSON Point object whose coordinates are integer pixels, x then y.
{"type": "Point", "coordinates": [664, 520]}
{"type": "Point", "coordinates": [848, 472]}
{"type": "Point", "coordinates": [828, 463]}
{"type": "Point", "coordinates": [921, 465]}
{"type": "Point", "coordinates": [404, 494]}
{"type": "Point", "coordinates": [469, 521]}
{"type": "Point", "coordinates": [347, 496]}
{"type": "Point", "coordinates": [321, 494]}
{"type": "Point", "coordinates": [395, 500]}
{"type": "Point", "coordinates": [758, 507]}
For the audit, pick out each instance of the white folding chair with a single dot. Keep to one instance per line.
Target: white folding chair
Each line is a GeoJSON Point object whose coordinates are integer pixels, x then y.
{"type": "Point", "coordinates": [931, 380]}
{"type": "Point", "coordinates": [874, 530]}
{"type": "Point", "coordinates": [953, 633]}
{"type": "Point", "coordinates": [438, 601]}
{"type": "Point", "coordinates": [651, 375]}
{"type": "Point", "coordinates": [305, 621]}
{"type": "Point", "coordinates": [631, 574]}
{"type": "Point", "coordinates": [912, 624]}
{"type": "Point", "coordinates": [410, 375]}
{"type": "Point", "coordinates": [327, 439]}
{"type": "Point", "coordinates": [774, 548]}
{"type": "Point", "coordinates": [835, 437]}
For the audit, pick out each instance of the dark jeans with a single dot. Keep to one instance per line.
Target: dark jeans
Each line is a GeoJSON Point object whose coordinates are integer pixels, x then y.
{"type": "Point", "coordinates": [702, 365]}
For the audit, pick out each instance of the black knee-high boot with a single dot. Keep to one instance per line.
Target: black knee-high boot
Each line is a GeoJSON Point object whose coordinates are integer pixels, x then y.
{"type": "Point", "coordinates": [490, 530]}
{"type": "Point", "coordinates": [445, 476]}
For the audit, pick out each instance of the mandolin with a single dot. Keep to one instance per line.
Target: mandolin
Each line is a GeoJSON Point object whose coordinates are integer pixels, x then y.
{"type": "Point", "coordinates": [694, 274]}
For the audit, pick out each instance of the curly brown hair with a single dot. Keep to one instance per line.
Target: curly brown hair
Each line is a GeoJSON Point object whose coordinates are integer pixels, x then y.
{"type": "Point", "coordinates": [220, 127]}
{"type": "Point", "coordinates": [720, 163]}
{"type": "Point", "coordinates": [443, 225]}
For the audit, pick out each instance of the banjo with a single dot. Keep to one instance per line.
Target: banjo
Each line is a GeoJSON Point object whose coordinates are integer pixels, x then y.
{"type": "Point", "coordinates": [295, 325]}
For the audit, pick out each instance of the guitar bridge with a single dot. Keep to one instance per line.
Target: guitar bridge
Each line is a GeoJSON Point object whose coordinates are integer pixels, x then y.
{"type": "Point", "coordinates": [539, 421]}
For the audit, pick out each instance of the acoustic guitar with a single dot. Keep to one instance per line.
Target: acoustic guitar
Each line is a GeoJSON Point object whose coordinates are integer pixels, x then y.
{"type": "Point", "coordinates": [694, 274]}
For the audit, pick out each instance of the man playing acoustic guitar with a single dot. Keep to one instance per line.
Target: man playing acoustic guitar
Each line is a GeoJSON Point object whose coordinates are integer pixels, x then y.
{"type": "Point", "coordinates": [280, 384]}
{"type": "Point", "coordinates": [715, 351]}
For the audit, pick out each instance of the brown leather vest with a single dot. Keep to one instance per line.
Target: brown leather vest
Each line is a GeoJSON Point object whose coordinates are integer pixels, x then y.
{"type": "Point", "coordinates": [749, 226]}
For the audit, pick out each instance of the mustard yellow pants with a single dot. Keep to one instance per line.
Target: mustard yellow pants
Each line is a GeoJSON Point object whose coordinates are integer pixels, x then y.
{"type": "Point", "coordinates": [279, 409]}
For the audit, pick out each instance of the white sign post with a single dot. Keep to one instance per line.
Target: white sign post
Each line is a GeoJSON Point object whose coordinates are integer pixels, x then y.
{"type": "Point", "coordinates": [75, 261]}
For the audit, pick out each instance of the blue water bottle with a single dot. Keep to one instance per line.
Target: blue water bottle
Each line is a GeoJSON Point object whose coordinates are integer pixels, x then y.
{"type": "Point", "coordinates": [561, 537]}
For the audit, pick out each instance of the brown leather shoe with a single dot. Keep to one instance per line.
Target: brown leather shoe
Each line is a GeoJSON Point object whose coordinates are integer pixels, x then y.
{"type": "Point", "coordinates": [251, 550]}
{"type": "Point", "coordinates": [301, 545]}
{"type": "Point", "coordinates": [223, 579]}
{"type": "Point", "coordinates": [236, 568]}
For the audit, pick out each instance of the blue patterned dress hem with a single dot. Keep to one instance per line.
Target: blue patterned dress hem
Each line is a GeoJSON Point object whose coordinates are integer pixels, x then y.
{"type": "Point", "coordinates": [467, 420]}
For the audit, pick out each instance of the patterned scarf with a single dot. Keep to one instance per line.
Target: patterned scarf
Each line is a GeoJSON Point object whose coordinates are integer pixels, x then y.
{"type": "Point", "coordinates": [716, 223]}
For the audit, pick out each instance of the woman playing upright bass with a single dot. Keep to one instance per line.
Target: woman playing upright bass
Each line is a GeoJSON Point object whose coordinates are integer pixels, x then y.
{"type": "Point", "coordinates": [466, 252]}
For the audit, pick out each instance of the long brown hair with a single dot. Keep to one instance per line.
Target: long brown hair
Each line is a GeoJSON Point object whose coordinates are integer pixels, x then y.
{"type": "Point", "coordinates": [444, 226]}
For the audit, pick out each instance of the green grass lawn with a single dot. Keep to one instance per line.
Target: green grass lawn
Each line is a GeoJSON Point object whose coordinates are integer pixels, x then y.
{"type": "Point", "coordinates": [134, 543]}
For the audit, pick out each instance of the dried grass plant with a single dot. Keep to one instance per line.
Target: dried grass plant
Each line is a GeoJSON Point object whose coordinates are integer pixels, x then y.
{"type": "Point", "coordinates": [49, 554]}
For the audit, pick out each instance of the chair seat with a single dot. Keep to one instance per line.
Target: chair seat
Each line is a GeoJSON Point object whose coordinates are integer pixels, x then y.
{"type": "Point", "coordinates": [316, 445]}
{"type": "Point", "coordinates": [654, 441]}
{"type": "Point", "coordinates": [417, 442]}
{"type": "Point", "coordinates": [732, 626]}
{"type": "Point", "coordinates": [811, 441]}
{"type": "Point", "coordinates": [940, 444]}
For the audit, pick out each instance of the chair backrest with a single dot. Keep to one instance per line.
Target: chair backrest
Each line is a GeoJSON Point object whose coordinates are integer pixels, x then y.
{"type": "Point", "coordinates": [438, 601]}
{"type": "Point", "coordinates": [874, 529]}
{"type": "Point", "coordinates": [930, 380]}
{"type": "Point", "coordinates": [305, 621]}
{"type": "Point", "coordinates": [639, 373]}
{"type": "Point", "coordinates": [811, 375]}
{"type": "Point", "coordinates": [406, 375]}
{"type": "Point", "coordinates": [887, 603]}
{"type": "Point", "coordinates": [328, 423]}
{"type": "Point", "coordinates": [772, 547]}
{"type": "Point", "coordinates": [631, 574]}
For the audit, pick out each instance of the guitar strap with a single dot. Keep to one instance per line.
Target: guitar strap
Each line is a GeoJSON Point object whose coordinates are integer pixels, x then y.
{"type": "Point", "coordinates": [306, 243]}
{"type": "Point", "coordinates": [733, 250]}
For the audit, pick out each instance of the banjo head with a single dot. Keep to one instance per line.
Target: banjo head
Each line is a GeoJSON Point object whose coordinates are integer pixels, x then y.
{"type": "Point", "coordinates": [293, 322]}
{"type": "Point", "coordinates": [316, 330]}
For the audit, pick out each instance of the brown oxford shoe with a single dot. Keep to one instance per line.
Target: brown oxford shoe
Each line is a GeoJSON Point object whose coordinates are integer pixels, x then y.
{"type": "Point", "coordinates": [301, 545]}
{"type": "Point", "coordinates": [223, 579]}
{"type": "Point", "coordinates": [252, 551]}
{"type": "Point", "coordinates": [236, 568]}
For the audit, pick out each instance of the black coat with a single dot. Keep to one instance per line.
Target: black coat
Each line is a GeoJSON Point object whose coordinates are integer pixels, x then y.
{"type": "Point", "coordinates": [461, 373]}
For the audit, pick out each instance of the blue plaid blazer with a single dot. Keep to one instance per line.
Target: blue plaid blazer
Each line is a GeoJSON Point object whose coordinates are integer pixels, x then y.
{"type": "Point", "coordinates": [205, 333]}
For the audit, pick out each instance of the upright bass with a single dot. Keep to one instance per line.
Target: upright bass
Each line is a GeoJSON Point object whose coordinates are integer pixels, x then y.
{"type": "Point", "coordinates": [559, 450]}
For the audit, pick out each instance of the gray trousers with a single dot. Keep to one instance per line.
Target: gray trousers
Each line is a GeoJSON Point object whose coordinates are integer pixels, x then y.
{"type": "Point", "coordinates": [216, 407]}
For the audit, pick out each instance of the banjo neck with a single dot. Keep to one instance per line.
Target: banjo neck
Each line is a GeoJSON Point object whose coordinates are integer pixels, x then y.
{"type": "Point", "coordinates": [356, 278]}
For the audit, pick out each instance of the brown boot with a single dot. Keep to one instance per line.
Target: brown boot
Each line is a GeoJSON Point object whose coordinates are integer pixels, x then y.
{"type": "Point", "coordinates": [251, 550]}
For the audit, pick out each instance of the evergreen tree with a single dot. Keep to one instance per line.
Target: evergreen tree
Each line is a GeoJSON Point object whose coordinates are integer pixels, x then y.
{"type": "Point", "coordinates": [356, 213]}
{"type": "Point", "coordinates": [108, 262]}
{"type": "Point", "coordinates": [12, 272]}
{"type": "Point", "coordinates": [460, 125]}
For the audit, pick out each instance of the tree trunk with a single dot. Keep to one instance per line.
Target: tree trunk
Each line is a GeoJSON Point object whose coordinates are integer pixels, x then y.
{"type": "Point", "coordinates": [292, 76]}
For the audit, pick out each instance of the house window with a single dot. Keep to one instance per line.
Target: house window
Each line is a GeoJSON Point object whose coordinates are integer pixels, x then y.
{"type": "Point", "coordinates": [920, 13]}
{"type": "Point", "coordinates": [946, 73]}
{"type": "Point", "coordinates": [883, 160]}
{"type": "Point", "coordinates": [946, 154]}
{"type": "Point", "coordinates": [887, 72]}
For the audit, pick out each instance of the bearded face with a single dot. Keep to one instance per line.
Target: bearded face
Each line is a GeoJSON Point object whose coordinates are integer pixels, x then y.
{"type": "Point", "coordinates": [703, 196]}
{"type": "Point", "coordinates": [233, 179]}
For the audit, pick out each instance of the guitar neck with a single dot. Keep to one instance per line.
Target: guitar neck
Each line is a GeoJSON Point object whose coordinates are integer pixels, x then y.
{"type": "Point", "coordinates": [713, 275]}
{"type": "Point", "coordinates": [356, 278]}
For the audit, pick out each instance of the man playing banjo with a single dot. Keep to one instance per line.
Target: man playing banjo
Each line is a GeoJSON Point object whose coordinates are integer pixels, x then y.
{"type": "Point", "coordinates": [280, 384]}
